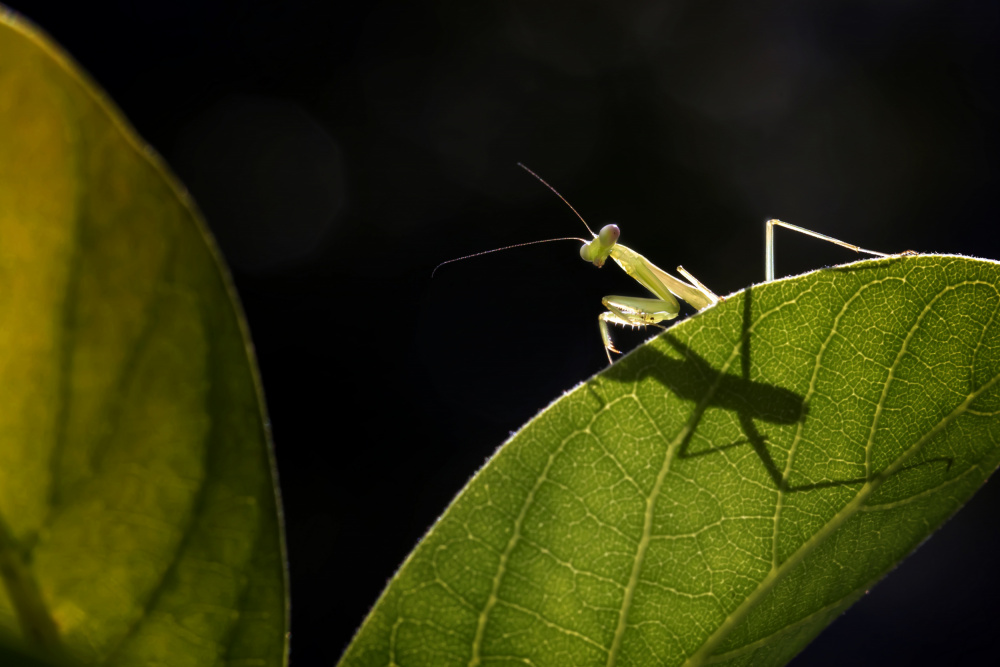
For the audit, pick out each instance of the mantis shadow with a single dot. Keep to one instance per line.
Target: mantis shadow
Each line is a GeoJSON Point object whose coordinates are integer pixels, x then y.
{"type": "Point", "coordinates": [693, 378]}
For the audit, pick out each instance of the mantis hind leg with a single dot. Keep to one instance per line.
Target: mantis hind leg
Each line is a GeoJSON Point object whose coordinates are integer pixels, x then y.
{"type": "Point", "coordinates": [769, 244]}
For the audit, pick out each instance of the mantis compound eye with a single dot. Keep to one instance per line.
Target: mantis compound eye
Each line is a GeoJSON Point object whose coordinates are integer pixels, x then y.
{"type": "Point", "coordinates": [609, 235]}
{"type": "Point", "coordinates": [590, 252]}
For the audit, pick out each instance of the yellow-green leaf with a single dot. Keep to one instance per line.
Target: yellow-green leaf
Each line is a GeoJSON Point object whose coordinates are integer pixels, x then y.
{"type": "Point", "coordinates": [724, 492]}
{"type": "Point", "coordinates": [138, 518]}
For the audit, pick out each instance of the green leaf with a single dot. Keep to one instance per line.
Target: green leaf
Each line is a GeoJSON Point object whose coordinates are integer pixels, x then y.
{"type": "Point", "coordinates": [722, 493]}
{"type": "Point", "coordinates": [138, 517]}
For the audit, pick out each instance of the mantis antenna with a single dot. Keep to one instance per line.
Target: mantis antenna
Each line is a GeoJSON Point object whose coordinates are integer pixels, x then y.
{"type": "Point", "coordinates": [508, 247]}
{"type": "Point", "coordinates": [545, 183]}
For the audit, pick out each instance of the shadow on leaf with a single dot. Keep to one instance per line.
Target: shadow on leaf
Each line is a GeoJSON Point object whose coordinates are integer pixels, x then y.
{"type": "Point", "coordinates": [694, 379]}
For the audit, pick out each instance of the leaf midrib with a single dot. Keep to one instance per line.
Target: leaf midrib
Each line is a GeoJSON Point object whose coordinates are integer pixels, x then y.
{"type": "Point", "coordinates": [477, 642]}
{"type": "Point", "coordinates": [857, 503]}
{"type": "Point", "coordinates": [853, 507]}
{"type": "Point", "coordinates": [654, 494]}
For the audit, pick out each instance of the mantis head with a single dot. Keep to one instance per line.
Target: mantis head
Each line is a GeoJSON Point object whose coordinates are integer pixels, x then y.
{"type": "Point", "coordinates": [598, 250]}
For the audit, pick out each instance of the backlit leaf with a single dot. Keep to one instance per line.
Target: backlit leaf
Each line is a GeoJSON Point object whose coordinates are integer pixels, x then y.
{"type": "Point", "coordinates": [139, 522]}
{"type": "Point", "coordinates": [724, 492]}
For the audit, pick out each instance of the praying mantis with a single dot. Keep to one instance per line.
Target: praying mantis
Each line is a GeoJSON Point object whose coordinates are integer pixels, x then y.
{"type": "Point", "coordinates": [667, 289]}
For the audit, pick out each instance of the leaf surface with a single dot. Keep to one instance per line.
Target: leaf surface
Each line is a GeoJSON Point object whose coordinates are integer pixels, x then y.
{"type": "Point", "coordinates": [138, 517]}
{"type": "Point", "coordinates": [725, 491]}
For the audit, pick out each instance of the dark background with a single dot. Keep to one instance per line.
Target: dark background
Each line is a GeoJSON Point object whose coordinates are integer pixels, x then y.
{"type": "Point", "coordinates": [339, 152]}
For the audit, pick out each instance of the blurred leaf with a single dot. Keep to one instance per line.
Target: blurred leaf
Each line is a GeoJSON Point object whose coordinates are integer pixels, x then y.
{"type": "Point", "coordinates": [724, 492]}
{"type": "Point", "coordinates": [138, 518]}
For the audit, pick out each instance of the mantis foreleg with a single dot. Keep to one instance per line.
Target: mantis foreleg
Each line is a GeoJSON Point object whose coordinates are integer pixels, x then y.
{"type": "Point", "coordinates": [635, 311]}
